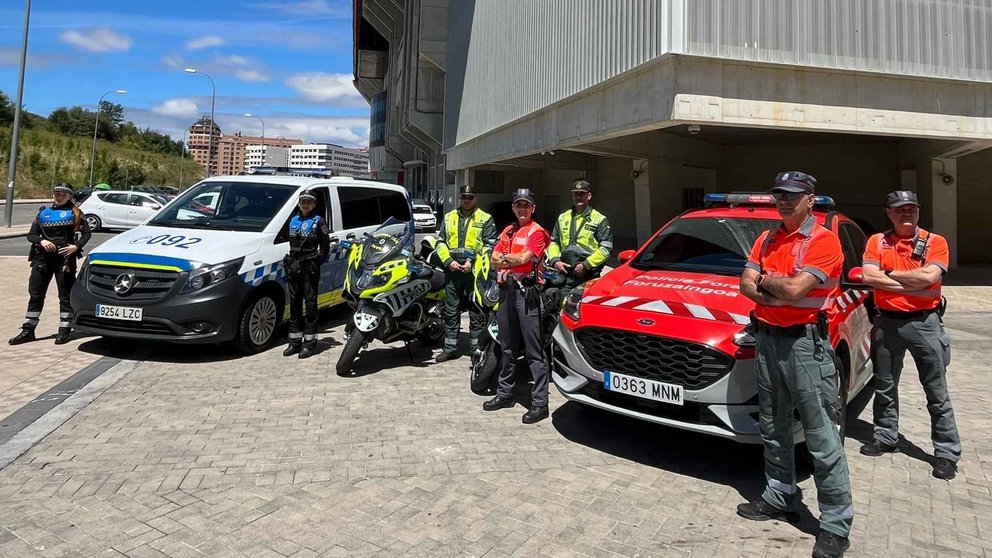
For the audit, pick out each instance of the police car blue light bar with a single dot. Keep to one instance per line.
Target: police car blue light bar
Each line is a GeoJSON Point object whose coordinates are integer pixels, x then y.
{"type": "Point", "coordinates": [756, 199]}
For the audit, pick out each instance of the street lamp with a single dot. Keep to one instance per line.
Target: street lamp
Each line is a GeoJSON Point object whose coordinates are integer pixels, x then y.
{"type": "Point", "coordinates": [18, 101]}
{"type": "Point", "coordinates": [213, 99]}
{"type": "Point", "coordinates": [250, 115]}
{"type": "Point", "coordinates": [96, 126]}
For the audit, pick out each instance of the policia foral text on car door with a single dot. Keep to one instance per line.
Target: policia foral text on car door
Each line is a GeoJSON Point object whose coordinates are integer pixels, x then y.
{"type": "Point", "coordinates": [57, 237]}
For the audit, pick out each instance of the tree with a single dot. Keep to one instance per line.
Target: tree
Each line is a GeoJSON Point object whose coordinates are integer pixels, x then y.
{"type": "Point", "coordinates": [113, 113]}
{"type": "Point", "coordinates": [6, 110]}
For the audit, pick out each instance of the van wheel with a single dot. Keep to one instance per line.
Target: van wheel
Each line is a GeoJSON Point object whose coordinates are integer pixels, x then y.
{"type": "Point", "coordinates": [257, 325]}
{"type": "Point", "coordinates": [94, 222]}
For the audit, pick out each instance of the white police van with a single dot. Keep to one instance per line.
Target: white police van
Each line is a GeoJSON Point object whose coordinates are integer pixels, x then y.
{"type": "Point", "coordinates": [208, 267]}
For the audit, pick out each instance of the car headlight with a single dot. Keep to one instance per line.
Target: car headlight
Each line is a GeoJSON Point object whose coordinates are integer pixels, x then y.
{"type": "Point", "coordinates": [211, 274]}
{"type": "Point", "coordinates": [744, 338]}
{"type": "Point", "coordinates": [572, 303]}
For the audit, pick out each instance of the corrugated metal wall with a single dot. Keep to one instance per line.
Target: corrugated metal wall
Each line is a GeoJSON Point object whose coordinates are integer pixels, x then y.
{"type": "Point", "coordinates": [509, 58]}
{"type": "Point", "coordinates": [524, 55]}
{"type": "Point", "coordinates": [934, 38]}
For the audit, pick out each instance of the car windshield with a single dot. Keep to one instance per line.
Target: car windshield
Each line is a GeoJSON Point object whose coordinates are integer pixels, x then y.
{"type": "Point", "coordinates": [704, 244]}
{"type": "Point", "coordinates": [422, 210]}
{"type": "Point", "coordinates": [229, 206]}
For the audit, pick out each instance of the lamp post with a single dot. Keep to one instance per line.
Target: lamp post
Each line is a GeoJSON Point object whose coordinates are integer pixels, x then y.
{"type": "Point", "coordinates": [18, 101]}
{"type": "Point", "coordinates": [250, 115]}
{"type": "Point", "coordinates": [96, 126]}
{"type": "Point", "coordinates": [213, 99]}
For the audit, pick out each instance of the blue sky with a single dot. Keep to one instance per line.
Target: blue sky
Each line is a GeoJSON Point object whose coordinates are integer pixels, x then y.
{"type": "Point", "coordinates": [287, 61]}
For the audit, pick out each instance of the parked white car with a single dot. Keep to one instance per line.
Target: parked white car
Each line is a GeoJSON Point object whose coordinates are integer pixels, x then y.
{"type": "Point", "coordinates": [120, 209]}
{"type": "Point", "coordinates": [423, 218]}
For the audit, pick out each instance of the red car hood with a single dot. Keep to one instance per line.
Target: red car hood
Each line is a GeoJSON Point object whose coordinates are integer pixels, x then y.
{"type": "Point", "coordinates": [697, 307]}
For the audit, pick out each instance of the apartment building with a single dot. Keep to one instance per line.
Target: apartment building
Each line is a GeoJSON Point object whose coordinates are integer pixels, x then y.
{"type": "Point", "coordinates": [346, 161]}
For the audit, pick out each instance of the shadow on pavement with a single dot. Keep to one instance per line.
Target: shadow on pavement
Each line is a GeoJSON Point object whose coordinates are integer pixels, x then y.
{"type": "Point", "coordinates": [392, 355]}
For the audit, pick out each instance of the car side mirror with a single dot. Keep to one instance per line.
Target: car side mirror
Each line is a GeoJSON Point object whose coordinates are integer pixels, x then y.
{"type": "Point", "coordinates": [626, 255]}
{"type": "Point", "coordinates": [856, 275]}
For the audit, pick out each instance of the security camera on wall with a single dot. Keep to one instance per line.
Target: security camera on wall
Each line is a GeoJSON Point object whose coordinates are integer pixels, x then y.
{"type": "Point", "coordinates": [947, 179]}
{"type": "Point", "coordinates": [634, 174]}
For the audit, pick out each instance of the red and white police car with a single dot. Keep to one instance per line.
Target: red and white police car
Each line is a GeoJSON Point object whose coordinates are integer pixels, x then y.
{"type": "Point", "coordinates": [662, 337]}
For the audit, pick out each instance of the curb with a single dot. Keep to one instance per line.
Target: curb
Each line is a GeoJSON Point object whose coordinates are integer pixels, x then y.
{"type": "Point", "coordinates": [14, 232]}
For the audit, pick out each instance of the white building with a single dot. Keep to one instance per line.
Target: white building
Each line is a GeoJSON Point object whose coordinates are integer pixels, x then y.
{"type": "Point", "coordinates": [658, 102]}
{"type": "Point", "coordinates": [266, 156]}
{"type": "Point", "coordinates": [347, 162]}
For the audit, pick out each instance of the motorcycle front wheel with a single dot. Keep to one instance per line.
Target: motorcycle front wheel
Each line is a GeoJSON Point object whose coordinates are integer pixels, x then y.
{"type": "Point", "coordinates": [351, 348]}
{"type": "Point", "coordinates": [485, 370]}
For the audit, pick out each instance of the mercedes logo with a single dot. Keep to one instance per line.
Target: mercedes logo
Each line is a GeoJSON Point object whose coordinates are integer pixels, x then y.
{"type": "Point", "coordinates": [124, 283]}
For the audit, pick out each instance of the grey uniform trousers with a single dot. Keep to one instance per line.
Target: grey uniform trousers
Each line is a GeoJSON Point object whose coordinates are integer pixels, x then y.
{"type": "Point", "coordinates": [799, 373]}
{"type": "Point", "coordinates": [930, 347]}
{"type": "Point", "coordinates": [520, 324]}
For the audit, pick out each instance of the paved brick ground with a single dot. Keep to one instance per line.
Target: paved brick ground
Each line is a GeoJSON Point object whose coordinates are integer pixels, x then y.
{"type": "Point", "coordinates": [196, 454]}
{"type": "Point", "coordinates": [27, 371]}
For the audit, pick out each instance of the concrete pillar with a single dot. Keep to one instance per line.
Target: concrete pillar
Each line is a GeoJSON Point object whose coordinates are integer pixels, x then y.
{"type": "Point", "coordinates": [944, 204]}
{"type": "Point", "coordinates": [642, 200]}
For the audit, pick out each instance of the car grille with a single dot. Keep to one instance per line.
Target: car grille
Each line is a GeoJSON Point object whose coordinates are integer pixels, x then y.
{"type": "Point", "coordinates": [122, 326]}
{"type": "Point", "coordinates": [691, 365]}
{"type": "Point", "coordinates": [149, 285]}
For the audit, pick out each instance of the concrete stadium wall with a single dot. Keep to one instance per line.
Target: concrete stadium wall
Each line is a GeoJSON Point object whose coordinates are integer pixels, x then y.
{"type": "Point", "coordinates": [974, 184]}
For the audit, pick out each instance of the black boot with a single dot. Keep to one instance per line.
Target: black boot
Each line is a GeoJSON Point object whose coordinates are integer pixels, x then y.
{"type": "Point", "coordinates": [535, 414]}
{"type": "Point", "coordinates": [829, 545]}
{"type": "Point", "coordinates": [26, 335]}
{"type": "Point", "coordinates": [761, 510]}
{"type": "Point", "coordinates": [307, 350]}
{"type": "Point", "coordinates": [291, 349]}
{"type": "Point", "coordinates": [63, 336]}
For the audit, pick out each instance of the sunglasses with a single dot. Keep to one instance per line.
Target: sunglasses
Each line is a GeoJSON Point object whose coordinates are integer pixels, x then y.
{"type": "Point", "coordinates": [467, 197]}
{"type": "Point", "coordinates": [788, 196]}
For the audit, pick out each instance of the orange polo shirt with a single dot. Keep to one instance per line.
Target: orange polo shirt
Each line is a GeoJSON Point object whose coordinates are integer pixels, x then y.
{"type": "Point", "coordinates": [811, 248]}
{"type": "Point", "coordinates": [888, 251]}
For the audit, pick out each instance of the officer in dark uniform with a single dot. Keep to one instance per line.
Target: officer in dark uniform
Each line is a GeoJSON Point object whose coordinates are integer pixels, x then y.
{"type": "Point", "coordinates": [581, 241]}
{"type": "Point", "coordinates": [57, 237]}
{"type": "Point", "coordinates": [906, 265]}
{"type": "Point", "coordinates": [464, 233]}
{"type": "Point", "coordinates": [793, 276]}
{"type": "Point", "coordinates": [521, 246]}
{"type": "Point", "coordinates": [309, 245]}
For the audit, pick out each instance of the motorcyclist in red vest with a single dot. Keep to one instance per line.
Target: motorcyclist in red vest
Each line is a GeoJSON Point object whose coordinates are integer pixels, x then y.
{"type": "Point", "coordinates": [521, 246]}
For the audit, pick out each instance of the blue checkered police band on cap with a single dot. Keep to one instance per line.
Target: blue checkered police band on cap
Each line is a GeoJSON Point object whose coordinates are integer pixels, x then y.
{"type": "Point", "coordinates": [62, 188]}
{"type": "Point", "coordinates": [308, 195]}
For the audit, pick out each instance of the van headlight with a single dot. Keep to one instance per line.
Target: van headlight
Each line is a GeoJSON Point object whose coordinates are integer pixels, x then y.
{"type": "Point", "coordinates": [572, 303]}
{"type": "Point", "coordinates": [211, 274]}
{"type": "Point", "coordinates": [83, 273]}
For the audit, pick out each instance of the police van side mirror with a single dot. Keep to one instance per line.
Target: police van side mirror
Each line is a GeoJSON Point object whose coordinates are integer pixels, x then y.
{"type": "Point", "coordinates": [626, 255]}
{"type": "Point", "coordinates": [856, 275]}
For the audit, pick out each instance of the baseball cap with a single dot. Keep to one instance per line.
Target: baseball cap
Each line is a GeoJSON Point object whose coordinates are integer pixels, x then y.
{"type": "Point", "coordinates": [524, 194]}
{"type": "Point", "coordinates": [581, 186]}
{"type": "Point", "coordinates": [62, 187]}
{"type": "Point", "coordinates": [795, 182]}
{"type": "Point", "coordinates": [466, 190]}
{"type": "Point", "coordinates": [900, 198]}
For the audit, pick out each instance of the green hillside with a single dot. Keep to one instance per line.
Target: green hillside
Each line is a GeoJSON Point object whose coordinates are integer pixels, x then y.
{"type": "Point", "coordinates": [45, 157]}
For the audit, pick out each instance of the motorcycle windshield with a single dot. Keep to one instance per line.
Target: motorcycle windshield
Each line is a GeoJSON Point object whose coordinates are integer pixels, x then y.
{"type": "Point", "coordinates": [392, 240]}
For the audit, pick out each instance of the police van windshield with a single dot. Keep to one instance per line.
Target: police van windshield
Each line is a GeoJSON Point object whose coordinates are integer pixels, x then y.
{"type": "Point", "coordinates": [704, 244]}
{"type": "Point", "coordinates": [229, 206]}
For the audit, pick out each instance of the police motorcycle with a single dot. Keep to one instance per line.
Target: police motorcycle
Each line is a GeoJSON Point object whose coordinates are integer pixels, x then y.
{"type": "Point", "coordinates": [396, 294]}
{"type": "Point", "coordinates": [487, 360]}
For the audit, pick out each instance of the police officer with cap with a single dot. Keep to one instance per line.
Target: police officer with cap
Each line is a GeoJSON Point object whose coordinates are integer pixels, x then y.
{"type": "Point", "coordinates": [581, 241]}
{"type": "Point", "coordinates": [309, 245]}
{"type": "Point", "coordinates": [906, 266]}
{"type": "Point", "coordinates": [464, 233]}
{"type": "Point", "coordinates": [57, 237]}
{"type": "Point", "coordinates": [793, 276]}
{"type": "Point", "coordinates": [516, 256]}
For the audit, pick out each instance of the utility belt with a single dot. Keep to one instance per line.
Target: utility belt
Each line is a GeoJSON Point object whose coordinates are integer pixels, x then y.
{"type": "Point", "coordinates": [462, 255]}
{"type": "Point", "coordinates": [917, 315]}
{"type": "Point", "coordinates": [820, 327]}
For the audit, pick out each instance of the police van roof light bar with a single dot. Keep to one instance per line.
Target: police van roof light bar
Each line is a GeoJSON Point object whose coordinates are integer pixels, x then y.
{"type": "Point", "coordinates": [710, 200]}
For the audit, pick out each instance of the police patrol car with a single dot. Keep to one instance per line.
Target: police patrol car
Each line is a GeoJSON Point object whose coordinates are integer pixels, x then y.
{"type": "Point", "coordinates": [663, 336]}
{"type": "Point", "coordinates": [208, 267]}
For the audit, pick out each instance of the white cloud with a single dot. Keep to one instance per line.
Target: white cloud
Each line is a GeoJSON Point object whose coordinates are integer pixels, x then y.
{"type": "Point", "coordinates": [251, 75]}
{"type": "Point", "coordinates": [309, 8]}
{"type": "Point", "coordinates": [185, 108]}
{"type": "Point", "coordinates": [97, 39]}
{"type": "Point", "coordinates": [205, 42]}
{"type": "Point", "coordinates": [321, 87]}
